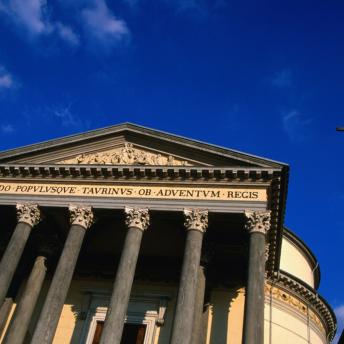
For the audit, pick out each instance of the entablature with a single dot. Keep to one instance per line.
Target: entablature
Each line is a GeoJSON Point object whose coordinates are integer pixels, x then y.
{"type": "Point", "coordinates": [268, 180]}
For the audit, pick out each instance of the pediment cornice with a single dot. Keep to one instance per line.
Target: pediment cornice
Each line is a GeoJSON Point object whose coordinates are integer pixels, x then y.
{"type": "Point", "coordinates": [114, 137]}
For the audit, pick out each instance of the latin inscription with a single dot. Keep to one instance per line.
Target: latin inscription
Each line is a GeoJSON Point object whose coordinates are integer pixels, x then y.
{"type": "Point", "coordinates": [161, 192]}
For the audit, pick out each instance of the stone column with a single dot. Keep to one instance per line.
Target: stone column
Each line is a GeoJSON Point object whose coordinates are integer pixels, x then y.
{"type": "Point", "coordinates": [23, 312]}
{"type": "Point", "coordinates": [20, 321]}
{"type": "Point", "coordinates": [257, 224]}
{"type": "Point", "coordinates": [28, 215]}
{"type": "Point", "coordinates": [137, 221]}
{"type": "Point", "coordinates": [197, 332]}
{"type": "Point", "coordinates": [81, 218]}
{"type": "Point", "coordinates": [196, 223]}
{"type": "Point", "coordinates": [5, 311]}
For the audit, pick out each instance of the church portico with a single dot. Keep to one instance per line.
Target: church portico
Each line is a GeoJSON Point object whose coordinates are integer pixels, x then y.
{"type": "Point", "coordinates": [61, 277]}
{"type": "Point", "coordinates": [145, 241]}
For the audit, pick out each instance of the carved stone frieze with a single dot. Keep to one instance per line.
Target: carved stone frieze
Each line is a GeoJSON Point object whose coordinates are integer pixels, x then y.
{"type": "Point", "coordinates": [81, 215]}
{"type": "Point", "coordinates": [257, 221]}
{"type": "Point", "coordinates": [318, 307]}
{"type": "Point", "coordinates": [128, 155]}
{"type": "Point", "coordinates": [28, 213]}
{"type": "Point", "coordinates": [294, 303]}
{"type": "Point", "coordinates": [138, 218]}
{"type": "Point", "coordinates": [196, 219]}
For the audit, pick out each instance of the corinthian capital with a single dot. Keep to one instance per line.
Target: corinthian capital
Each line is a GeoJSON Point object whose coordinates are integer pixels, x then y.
{"type": "Point", "coordinates": [138, 218]}
{"type": "Point", "coordinates": [196, 219]}
{"type": "Point", "coordinates": [257, 221]}
{"type": "Point", "coordinates": [28, 213]}
{"type": "Point", "coordinates": [81, 215]}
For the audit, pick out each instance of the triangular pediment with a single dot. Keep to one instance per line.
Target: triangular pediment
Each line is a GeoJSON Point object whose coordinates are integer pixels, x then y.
{"type": "Point", "coordinates": [129, 144]}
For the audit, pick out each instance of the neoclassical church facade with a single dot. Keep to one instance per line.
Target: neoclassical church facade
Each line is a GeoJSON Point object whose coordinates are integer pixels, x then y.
{"type": "Point", "coordinates": [131, 235]}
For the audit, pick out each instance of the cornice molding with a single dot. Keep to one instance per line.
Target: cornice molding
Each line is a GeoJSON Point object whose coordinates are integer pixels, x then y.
{"type": "Point", "coordinates": [118, 171]}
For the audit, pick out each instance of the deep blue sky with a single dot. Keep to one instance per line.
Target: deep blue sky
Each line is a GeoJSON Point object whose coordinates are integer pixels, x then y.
{"type": "Point", "coordinates": [264, 77]}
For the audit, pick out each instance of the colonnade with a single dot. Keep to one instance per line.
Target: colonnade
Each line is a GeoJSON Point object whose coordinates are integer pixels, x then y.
{"type": "Point", "coordinates": [186, 325]}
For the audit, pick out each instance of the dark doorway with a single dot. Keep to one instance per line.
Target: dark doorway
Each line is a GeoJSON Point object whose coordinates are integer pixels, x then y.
{"type": "Point", "coordinates": [132, 333]}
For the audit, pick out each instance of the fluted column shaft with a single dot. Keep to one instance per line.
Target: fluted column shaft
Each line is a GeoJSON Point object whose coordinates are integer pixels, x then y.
{"type": "Point", "coordinates": [81, 219]}
{"type": "Point", "coordinates": [137, 220]}
{"type": "Point", "coordinates": [24, 310]}
{"type": "Point", "coordinates": [28, 215]}
{"type": "Point", "coordinates": [196, 222]}
{"type": "Point", "coordinates": [258, 223]}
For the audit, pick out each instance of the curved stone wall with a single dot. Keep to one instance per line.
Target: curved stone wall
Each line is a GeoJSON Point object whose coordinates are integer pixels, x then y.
{"type": "Point", "coordinates": [295, 261]}
{"type": "Point", "coordinates": [288, 319]}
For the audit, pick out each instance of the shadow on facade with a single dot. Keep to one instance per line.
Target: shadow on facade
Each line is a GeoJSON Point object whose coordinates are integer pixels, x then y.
{"type": "Point", "coordinates": [220, 307]}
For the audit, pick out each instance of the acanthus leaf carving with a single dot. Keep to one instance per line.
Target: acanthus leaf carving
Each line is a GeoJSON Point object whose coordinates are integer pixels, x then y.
{"type": "Point", "coordinates": [138, 218]}
{"type": "Point", "coordinates": [196, 219]}
{"type": "Point", "coordinates": [81, 215]}
{"type": "Point", "coordinates": [257, 221]}
{"type": "Point", "coordinates": [128, 155]}
{"type": "Point", "coordinates": [28, 213]}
